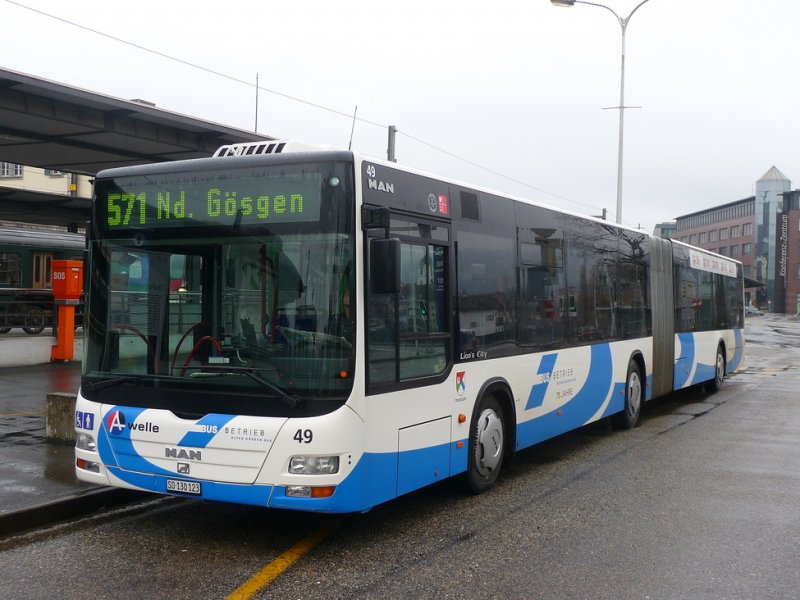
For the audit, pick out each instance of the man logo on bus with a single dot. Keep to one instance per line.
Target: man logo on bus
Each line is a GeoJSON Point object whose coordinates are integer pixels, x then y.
{"type": "Point", "coordinates": [115, 422]}
{"type": "Point", "coordinates": [461, 386]}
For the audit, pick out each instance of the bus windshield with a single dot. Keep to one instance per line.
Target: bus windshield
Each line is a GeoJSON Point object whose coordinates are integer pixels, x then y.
{"type": "Point", "coordinates": [219, 313]}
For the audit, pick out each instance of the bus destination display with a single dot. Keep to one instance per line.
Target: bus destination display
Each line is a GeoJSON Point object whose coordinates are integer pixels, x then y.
{"type": "Point", "coordinates": [208, 199]}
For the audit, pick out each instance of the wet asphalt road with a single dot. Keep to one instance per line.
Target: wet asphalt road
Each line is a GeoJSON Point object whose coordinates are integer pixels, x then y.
{"type": "Point", "coordinates": [701, 501]}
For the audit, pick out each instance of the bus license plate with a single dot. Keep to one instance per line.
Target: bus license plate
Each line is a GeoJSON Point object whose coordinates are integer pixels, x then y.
{"type": "Point", "coordinates": [181, 486]}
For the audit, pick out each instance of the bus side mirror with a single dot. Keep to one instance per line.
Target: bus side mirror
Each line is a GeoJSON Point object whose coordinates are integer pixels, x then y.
{"type": "Point", "coordinates": [384, 266]}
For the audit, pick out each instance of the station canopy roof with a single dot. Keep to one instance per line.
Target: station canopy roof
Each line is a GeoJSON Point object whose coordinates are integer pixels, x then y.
{"type": "Point", "coordinates": [54, 126]}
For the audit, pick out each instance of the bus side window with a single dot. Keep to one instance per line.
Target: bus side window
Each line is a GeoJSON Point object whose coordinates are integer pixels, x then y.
{"type": "Point", "coordinates": [408, 333]}
{"type": "Point", "coordinates": [487, 277]}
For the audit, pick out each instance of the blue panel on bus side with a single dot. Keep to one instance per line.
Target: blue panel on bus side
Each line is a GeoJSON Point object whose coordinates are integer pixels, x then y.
{"type": "Point", "coordinates": [703, 373]}
{"type": "Point", "coordinates": [418, 468]}
{"type": "Point", "coordinates": [617, 402]}
{"type": "Point", "coordinates": [459, 457]}
{"type": "Point", "coordinates": [582, 407]}
{"type": "Point", "coordinates": [683, 366]}
{"type": "Point", "coordinates": [679, 373]}
{"type": "Point", "coordinates": [372, 482]}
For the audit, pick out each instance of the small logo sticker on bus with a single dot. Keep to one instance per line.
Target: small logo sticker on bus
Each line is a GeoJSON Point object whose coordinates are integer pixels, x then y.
{"type": "Point", "coordinates": [432, 204]}
{"type": "Point", "coordinates": [444, 209]}
{"type": "Point", "coordinates": [461, 385]}
{"type": "Point", "coordinates": [115, 422]}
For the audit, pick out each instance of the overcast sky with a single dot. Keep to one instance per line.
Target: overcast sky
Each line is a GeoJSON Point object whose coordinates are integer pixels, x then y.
{"type": "Point", "coordinates": [514, 86]}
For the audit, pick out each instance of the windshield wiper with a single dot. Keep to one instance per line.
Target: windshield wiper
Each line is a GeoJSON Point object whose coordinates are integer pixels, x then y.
{"type": "Point", "coordinates": [291, 400]}
{"type": "Point", "coordinates": [114, 381]}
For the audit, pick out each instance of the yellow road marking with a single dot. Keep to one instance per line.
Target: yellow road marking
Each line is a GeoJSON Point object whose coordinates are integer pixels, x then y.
{"type": "Point", "coordinates": [274, 569]}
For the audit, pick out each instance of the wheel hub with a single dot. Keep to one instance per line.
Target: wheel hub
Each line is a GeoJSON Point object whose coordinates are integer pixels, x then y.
{"type": "Point", "coordinates": [489, 446]}
{"type": "Point", "coordinates": [634, 393]}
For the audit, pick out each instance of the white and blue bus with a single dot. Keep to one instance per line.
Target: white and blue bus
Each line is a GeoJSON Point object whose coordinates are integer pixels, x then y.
{"type": "Point", "coordinates": [320, 331]}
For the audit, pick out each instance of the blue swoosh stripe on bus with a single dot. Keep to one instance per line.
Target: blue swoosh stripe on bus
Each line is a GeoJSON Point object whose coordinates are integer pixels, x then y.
{"type": "Point", "coordinates": [738, 354]}
{"type": "Point", "coordinates": [617, 402]}
{"type": "Point", "coordinates": [118, 449]}
{"type": "Point", "coordinates": [201, 439]}
{"type": "Point", "coordinates": [703, 372]}
{"type": "Point", "coordinates": [538, 391]}
{"type": "Point", "coordinates": [579, 409]}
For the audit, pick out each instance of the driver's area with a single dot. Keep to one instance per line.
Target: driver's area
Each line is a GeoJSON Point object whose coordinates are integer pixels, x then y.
{"type": "Point", "coordinates": [267, 313]}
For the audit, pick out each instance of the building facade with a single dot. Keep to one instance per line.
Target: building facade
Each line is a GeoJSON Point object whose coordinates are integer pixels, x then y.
{"type": "Point", "coordinates": [787, 272]}
{"type": "Point", "coordinates": [763, 232]}
{"type": "Point", "coordinates": [729, 230]}
{"type": "Point", "coordinates": [769, 201]}
{"type": "Point", "coordinates": [45, 181]}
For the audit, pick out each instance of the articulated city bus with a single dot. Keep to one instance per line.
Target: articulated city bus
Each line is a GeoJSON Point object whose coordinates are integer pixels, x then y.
{"type": "Point", "coordinates": [320, 331]}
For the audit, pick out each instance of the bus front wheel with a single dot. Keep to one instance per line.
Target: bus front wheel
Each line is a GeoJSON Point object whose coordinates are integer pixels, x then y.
{"type": "Point", "coordinates": [486, 446]}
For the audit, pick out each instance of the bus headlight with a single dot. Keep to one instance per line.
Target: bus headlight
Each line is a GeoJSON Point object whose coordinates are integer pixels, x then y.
{"type": "Point", "coordinates": [85, 442]}
{"type": "Point", "coordinates": [314, 465]}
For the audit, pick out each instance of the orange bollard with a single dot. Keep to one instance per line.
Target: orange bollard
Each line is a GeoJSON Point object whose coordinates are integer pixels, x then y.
{"type": "Point", "coordinates": [64, 349]}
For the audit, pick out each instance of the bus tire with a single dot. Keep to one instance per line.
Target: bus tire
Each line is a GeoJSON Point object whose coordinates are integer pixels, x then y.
{"type": "Point", "coordinates": [634, 392]}
{"type": "Point", "coordinates": [34, 322]}
{"type": "Point", "coordinates": [486, 446]}
{"type": "Point", "coordinates": [713, 385]}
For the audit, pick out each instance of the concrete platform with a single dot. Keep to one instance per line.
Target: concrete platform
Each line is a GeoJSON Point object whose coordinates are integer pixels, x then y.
{"type": "Point", "coordinates": [18, 349]}
{"type": "Point", "coordinates": [37, 478]}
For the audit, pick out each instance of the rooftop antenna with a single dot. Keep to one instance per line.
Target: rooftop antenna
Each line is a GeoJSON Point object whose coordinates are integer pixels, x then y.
{"type": "Point", "coordinates": [390, 150]}
{"type": "Point", "coordinates": [256, 127]}
{"type": "Point", "coordinates": [352, 129]}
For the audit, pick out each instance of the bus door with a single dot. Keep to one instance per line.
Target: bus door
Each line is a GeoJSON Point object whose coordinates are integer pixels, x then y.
{"type": "Point", "coordinates": [42, 263]}
{"type": "Point", "coordinates": [409, 338]}
{"type": "Point", "coordinates": [408, 324]}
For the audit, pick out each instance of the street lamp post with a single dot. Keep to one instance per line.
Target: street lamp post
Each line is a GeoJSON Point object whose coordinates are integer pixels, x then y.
{"type": "Point", "coordinates": [623, 23]}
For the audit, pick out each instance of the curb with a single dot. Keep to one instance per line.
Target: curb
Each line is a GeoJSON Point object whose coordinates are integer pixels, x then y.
{"type": "Point", "coordinates": [61, 510]}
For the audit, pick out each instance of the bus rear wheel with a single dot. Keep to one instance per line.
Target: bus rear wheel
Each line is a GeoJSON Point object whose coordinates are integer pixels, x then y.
{"type": "Point", "coordinates": [486, 446]}
{"type": "Point", "coordinates": [713, 385]}
{"type": "Point", "coordinates": [634, 391]}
